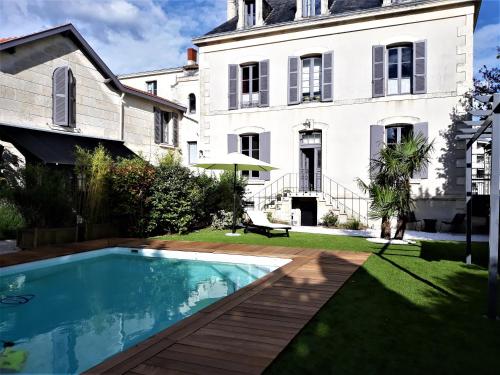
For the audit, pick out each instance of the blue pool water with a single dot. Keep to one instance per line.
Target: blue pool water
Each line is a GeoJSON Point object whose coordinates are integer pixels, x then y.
{"type": "Point", "coordinates": [84, 311]}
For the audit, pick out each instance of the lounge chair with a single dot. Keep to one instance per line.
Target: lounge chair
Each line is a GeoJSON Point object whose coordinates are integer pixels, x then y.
{"type": "Point", "coordinates": [259, 221]}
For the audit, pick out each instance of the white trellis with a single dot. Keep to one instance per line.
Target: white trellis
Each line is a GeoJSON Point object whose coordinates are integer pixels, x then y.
{"type": "Point", "coordinates": [488, 129]}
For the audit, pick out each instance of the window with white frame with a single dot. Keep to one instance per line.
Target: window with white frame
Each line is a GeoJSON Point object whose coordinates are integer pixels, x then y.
{"type": "Point", "coordinates": [395, 134]}
{"type": "Point", "coordinates": [249, 13]}
{"type": "Point", "coordinates": [250, 85]}
{"type": "Point", "coordinates": [311, 8]}
{"type": "Point", "coordinates": [311, 79]}
{"type": "Point", "coordinates": [152, 87]}
{"type": "Point", "coordinates": [167, 128]}
{"type": "Point", "coordinates": [193, 152]}
{"type": "Point", "coordinates": [399, 70]}
{"type": "Point", "coordinates": [250, 147]}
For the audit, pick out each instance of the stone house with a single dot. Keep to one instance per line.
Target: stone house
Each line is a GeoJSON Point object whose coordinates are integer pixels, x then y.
{"type": "Point", "coordinates": [57, 93]}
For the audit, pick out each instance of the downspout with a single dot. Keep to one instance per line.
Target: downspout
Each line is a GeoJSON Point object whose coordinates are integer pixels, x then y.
{"type": "Point", "coordinates": [122, 117]}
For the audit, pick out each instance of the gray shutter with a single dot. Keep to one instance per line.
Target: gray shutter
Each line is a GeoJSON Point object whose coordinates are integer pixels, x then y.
{"type": "Point", "coordinates": [421, 128]}
{"type": "Point", "coordinates": [157, 124]}
{"type": "Point", "coordinates": [72, 99]}
{"type": "Point", "coordinates": [420, 67]}
{"type": "Point", "coordinates": [376, 142]}
{"type": "Point", "coordinates": [293, 80]}
{"type": "Point", "coordinates": [175, 122]}
{"type": "Point", "coordinates": [327, 77]}
{"type": "Point", "coordinates": [60, 101]}
{"type": "Point", "coordinates": [233, 86]}
{"type": "Point", "coordinates": [264, 83]}
{"type": "Point", "coordinates": [232, 143]}
{"type": "Point", "coordinates": [378, 71]}
{"type": "Point", "coordinates": [265, 153]}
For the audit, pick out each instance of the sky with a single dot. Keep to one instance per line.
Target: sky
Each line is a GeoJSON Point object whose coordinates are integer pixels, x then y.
{"type": "Point", "coordinates": [139, 35]}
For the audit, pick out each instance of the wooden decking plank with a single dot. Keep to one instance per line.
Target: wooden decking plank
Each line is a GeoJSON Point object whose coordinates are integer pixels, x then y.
{"type": "Point", "coordinates": [245, 359]}
{"type": "Point", "coordinates": [254, 330]}
{"type": "Point", "coordinates": [247, 336]}
{"type": "Point", "coordinates": [219, 363]}
{"type": "Point", "coordinates": [247, 321]}
{"type": "Point", "coordinates": [145, 369]}
{"type": "Point", "coordinates": [193, 368]}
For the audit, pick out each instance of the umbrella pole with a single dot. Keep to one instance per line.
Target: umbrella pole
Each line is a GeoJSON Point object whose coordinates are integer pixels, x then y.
{"type": "Point", "coordinates": [234, 200]}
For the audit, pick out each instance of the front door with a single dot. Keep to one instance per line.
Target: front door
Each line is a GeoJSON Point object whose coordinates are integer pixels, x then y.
{"type": "Point", "coordinates": [310, 161]}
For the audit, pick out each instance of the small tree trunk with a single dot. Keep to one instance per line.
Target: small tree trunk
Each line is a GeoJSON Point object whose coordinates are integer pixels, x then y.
{"type": "Point", "coordinates": [385, 232]}
{"type": "Point", "coordinates": [401, 227]}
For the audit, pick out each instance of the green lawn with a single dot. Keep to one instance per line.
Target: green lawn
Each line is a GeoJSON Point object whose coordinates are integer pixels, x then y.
{"type": "Point", "coordinates": [410, 309]}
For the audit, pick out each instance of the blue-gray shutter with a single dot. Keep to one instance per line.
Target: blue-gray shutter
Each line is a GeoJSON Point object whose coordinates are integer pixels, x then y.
{"type": "Point", "coordinates": [60, 97]}
{"type": "Point", "coordinates": [233, 86]}
{"type": "Point", "coordinates": [422, 129]}
{"type": "Point", "coordinates": [157, 124]}
{"type": "Point", "coordinates": [378, 71]}
{"type": "Point", "coordinates": [265, 153]}
{"type": "Point", "coordinates": [420, 67]}
{"type": "Point", "coordinates": [293, 80]}
{"type": "Point", "coordinates": [175, 123]}
{"type": "Point", "coordinates": [264, 83]}
{"type": "Point", "coordinates": [327, 77]}
{"type": "Point", "coordinates": [232, 143]}
{"type": "Point", "coordinates": [71, 99]}
{"type": "Point", "coordinates": [376, 143]}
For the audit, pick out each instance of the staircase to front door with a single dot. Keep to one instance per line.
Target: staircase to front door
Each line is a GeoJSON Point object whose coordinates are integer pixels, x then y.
{"type": "Point", "coordinates": [330, 195]}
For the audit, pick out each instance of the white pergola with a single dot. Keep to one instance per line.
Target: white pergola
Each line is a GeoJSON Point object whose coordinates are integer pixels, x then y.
{"type": "Point", "coordinates": [487, 129]}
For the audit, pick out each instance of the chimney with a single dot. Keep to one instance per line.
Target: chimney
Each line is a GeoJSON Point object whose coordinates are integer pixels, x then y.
{"type": "Point", "coordinates": [192, 56]}
{"type": "Point", "coordinates": [232, 9]}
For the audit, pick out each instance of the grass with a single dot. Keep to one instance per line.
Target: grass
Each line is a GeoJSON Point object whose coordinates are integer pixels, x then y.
{"type": "Point", "coordinates": [410, 309]}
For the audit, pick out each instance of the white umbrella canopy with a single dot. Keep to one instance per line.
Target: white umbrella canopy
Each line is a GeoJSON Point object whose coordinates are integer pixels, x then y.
{"type": "Point", "coordinates": [234, 161]}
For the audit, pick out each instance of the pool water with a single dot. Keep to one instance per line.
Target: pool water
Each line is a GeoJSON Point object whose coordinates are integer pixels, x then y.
{"type": "Point", "coordinates": [76, 314]}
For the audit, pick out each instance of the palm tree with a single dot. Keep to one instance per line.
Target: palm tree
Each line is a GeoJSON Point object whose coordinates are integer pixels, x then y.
{"type": "Point", "coordinates": [390, 188]}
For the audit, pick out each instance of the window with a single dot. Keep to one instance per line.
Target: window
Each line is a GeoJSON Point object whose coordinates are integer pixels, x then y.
{"type": "Point", "coordinates": [311, 79]}
{"type": "Point", "coordinates": [399, 70]}
{"type": "Point", "coordinates": [250, 147]}
{"type": "Point", "coordinates": [166, 127]}
{"type": "Point", "coordinates": [192, 103]}
{"type": "Point", "coordinates": [311, 8]}
{"type": "Point", "coordinates": [64, 97]}
{"type": "Point", "coordinates": [192, 152]}
{"type": "Point", "coordinates": [394, 134]}
{"type": "Point", "coordinates": [250, 85]}
{"type": "Point", "coordinates": [249, 13]}
{"type": "Point", "coordinates": [152, 87]}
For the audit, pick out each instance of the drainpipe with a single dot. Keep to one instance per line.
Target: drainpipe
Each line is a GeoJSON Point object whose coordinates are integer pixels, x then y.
{"type": "Point", "coordinates": [122, 117]}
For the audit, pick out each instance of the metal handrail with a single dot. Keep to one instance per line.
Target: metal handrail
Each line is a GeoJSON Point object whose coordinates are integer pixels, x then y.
{"type": "Point", "coordinates": [342, 197]}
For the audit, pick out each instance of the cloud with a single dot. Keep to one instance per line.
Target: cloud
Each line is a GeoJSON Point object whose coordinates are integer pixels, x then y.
{"type": "Point", "coordinates": [486, 41]}
{"type": "Point", "coordinates": [129, 35]}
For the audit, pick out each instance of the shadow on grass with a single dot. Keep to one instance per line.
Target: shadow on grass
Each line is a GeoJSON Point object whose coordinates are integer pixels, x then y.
{"type": "Point", "coordinates": [436, 251]}
{"type": "Point", "coordinates": [390, 318]}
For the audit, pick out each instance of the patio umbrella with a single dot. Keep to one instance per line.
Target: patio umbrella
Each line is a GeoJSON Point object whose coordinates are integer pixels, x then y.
{"type": "Point", "coordinates": [235, 161]}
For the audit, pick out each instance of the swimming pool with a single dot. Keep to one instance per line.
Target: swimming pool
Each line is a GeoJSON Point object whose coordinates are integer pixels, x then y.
{"type": "Point", "coordinates": [70, 313]}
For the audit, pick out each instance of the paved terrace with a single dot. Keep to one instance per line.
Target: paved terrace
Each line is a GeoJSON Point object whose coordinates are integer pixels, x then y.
{"type": "Point", "coordinates": [240, 334]}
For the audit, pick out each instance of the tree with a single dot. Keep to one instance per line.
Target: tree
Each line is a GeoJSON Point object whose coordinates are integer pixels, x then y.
{"type": "Point", "coordinates": [390, 188]}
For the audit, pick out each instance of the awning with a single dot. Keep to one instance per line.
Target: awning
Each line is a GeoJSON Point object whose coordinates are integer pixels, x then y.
{"type": "Point", "coordinates": [56, 148]}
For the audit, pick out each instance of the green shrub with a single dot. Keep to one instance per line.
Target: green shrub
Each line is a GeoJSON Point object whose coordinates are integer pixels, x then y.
{"type": "Point", "coordinates": [131, 181]}
{"type": "Point", "coordinates": [175, 200]}
{"type": "Point", "coordinates": [222, 220]}
{"type": "Point", "coordinates": [353, 224]}
{"type": "Point", "coordinates": [11, 220]}
{"type": "Point", "coordinates": [330, 219]}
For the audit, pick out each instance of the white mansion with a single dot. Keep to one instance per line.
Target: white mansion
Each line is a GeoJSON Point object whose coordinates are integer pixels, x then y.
{"type": "Point", "coordinates": [314, 87]}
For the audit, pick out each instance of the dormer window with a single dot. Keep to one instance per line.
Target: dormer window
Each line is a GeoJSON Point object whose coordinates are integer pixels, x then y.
{"type": "Point", "coordinates": [250, 13]}
{"type": "Point", "coordinates": [152, 87]}
{"type": "Point", "coordinates": [311, 8]}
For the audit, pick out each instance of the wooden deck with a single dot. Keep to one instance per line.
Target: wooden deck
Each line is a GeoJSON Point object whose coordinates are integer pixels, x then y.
{"type": "Point", "coordinates": [240, 334]}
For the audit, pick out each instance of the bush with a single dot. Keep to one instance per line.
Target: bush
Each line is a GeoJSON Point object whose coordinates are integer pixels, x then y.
{"type": "Point", "coordinates": [330, 219]}
{"type": "Point", "coordinates": [353, 224]}
{"type": "Point", "coordinates": [131, 182]}
{"type": "Point", "coordinates": [11, 220]}
{"type": "Point", "coordinates": [222, 220]}
{"type": "Point", "coordinates": [175, 200]}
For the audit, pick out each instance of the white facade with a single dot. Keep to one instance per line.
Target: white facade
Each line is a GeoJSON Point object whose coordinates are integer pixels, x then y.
{"type": "Point", "coordinates": [176, 84]}
{"type": "Point", "coordinates": [446, 27]}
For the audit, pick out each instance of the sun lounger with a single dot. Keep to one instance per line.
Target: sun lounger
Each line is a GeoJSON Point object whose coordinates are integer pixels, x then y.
{"type": "Point", "coordinates": [259, 221]}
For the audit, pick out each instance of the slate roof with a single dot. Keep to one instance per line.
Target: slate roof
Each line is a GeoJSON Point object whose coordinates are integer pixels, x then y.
{"type": "Point", "coordinates": [284, 11]}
